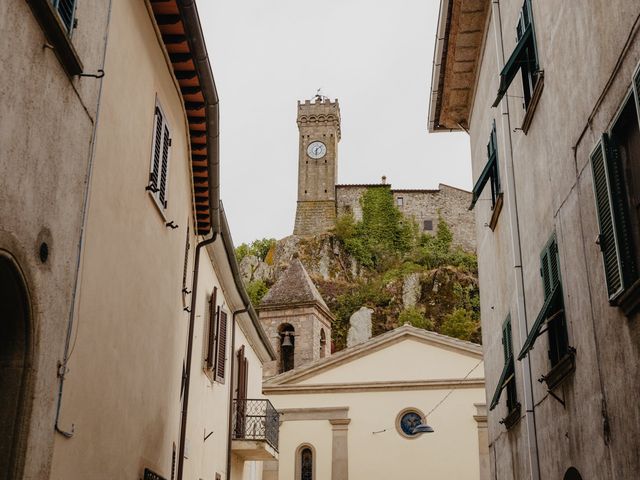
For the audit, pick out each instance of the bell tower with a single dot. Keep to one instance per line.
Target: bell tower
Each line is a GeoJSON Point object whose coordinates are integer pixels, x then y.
{"type": "Point", "coordinates": [319, 129]}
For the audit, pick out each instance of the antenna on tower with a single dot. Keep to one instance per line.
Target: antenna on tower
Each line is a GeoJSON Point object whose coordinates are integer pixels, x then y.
{"type": "Point", "coordinates": [319, 95]}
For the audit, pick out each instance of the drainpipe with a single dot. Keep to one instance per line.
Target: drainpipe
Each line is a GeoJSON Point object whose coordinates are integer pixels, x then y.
{"type": "Point", "coordinates": [187, 380]}
{"type": "Point", "coordinates": [231, 376]}
{"type": "Point", "coordinates": [62, 366]}
{"type": "Point", "coordinates": [514, 222]}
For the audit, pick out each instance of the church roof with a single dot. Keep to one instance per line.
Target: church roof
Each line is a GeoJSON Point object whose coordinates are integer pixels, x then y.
{"type": "Point", "coordinates": [293, 287]}
{"type": "Point", "coordinates": [347, 355]}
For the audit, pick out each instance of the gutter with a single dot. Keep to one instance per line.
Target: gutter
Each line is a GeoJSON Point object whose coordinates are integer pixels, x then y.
{"type": "Point", "coordinates": [437, 72]}
{"type": "Point", "coordinates": [195, 37]}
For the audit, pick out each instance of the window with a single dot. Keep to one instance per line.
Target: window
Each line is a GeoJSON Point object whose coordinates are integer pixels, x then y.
{"type": "Point", "coordinates": [552, 318]}
{"type": "Point", "coordinates": [214, 312]}
{"type": "Point", "coordinates": [221, 346]}
{"type": "Point", "coordinates": [158, 175]}
{"type": "Point", "coordinates": [490, 175]}
{"type": "Point", "coordinates": [66, 10]}
{"type": "Point", "coordinates": [399, 201]}
{"type": "Point", "coordinates": [306, 464]}
{"type": "Point", "coordinates": [428, 225]}
{"type": "Point", "coordinates": [615, 165]}
{"type": "Point", "coordinates": [524, 58]}
{"type": "Point", "coordinates": [507, 378]}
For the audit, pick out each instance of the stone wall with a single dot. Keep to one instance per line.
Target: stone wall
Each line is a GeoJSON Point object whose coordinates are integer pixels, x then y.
{"type": "Point", "coordinates": [307, 322]}
{"type": "Point", "coordinates": [315, 217]}
{"type": "Point", "coordinates": [423, 206]}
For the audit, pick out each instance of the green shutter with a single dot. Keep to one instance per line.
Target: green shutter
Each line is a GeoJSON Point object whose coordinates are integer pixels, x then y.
{"type": "Point", "coordinates": [615, 236]}
{"type": "Point", "coordinates": [550, 267]}
{"type": "Point", "coordinates": [636, 91]}
{"type": "Point", "coordinates": [507, 345]}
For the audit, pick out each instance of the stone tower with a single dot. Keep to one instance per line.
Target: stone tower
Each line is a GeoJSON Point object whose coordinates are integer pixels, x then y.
{"type": "Point", "coordinates": [319, 128]}
{"type": "Point", "coordinates": [296, 319]}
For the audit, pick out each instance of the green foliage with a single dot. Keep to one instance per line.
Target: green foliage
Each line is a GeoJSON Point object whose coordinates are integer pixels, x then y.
{"type": "Point", "coordinates": [435, 251]}
{"type": "Point", "coordinates": [459, 324]}
{"type": "Point", "coordinates": [416, 318]}
{"type": "Point", "coordinates": [381, 236]}
{"type": "Point", "coordinates": [256, 290]}
{"type": "Point", "coordinates": [259, 248]}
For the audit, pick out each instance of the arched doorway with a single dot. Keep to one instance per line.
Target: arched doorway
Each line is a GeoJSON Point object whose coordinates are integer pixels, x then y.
{"type": "Point", "coordinates": [572, 474]}
{"type": "Point", "coordinates": [14, 360]}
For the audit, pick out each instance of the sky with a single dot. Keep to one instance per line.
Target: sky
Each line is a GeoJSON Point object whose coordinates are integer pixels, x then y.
{"type": "Point", "coordinates": [375, 57]}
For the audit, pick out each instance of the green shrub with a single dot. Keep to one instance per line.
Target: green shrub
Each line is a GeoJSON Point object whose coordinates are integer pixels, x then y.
{"type": "Point", "coordinates": [259, 248]}
{"type": "Point", "coordinates": [459, 324]}
{"type": "Point", "coordinates": [256, 290]}
{"type": "Point", "coordinates": [416, 318]}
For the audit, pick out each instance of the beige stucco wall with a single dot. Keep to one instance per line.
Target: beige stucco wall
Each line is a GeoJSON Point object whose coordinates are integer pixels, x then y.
{"type": "Point", "coordinates": [46, 128]}
{"type": "Point", "coordinates": [578, 47]}
{"type": "Point", "coordinates": [451, 452]}
{"type": "Point", "coordinates": [122, 390]}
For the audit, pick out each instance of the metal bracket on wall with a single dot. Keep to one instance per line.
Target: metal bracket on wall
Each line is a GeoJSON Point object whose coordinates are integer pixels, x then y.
{"type": "Point", "coordinates": [172, 225]}
{"type": "Point", "coordinates": [100, 74]}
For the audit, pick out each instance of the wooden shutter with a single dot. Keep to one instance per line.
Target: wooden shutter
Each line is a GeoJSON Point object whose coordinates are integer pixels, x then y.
{"type": "Point", "coordinates": [166, 143]}
{"type": "Point", "coordinates": [615, 235]}
{"type": "Point", "coordinates": [243, 373]}
{"type": "Point", "coordinates": [221, 346]}
{"type": "Point", "coordinates": [507, 345]}
{"type": "Point", "coordinates": [212, 328]}
{"type": "Point", "coordinates": [156, 151]}
{"type": "Point", "coordinates": [550, 267]}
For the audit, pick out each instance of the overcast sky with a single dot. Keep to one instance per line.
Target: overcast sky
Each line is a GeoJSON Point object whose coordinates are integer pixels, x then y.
{"type": "Point", "coordinates": [375, 57]}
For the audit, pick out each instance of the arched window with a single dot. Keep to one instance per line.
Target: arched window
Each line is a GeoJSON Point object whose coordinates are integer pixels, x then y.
{"type": "Point", "coordinates": [572, 474]}
{"type": "Point", "coordinates": [323, 343]}
{"type": "Point", "coordinates": [305, 463]}
{"type": "Point", "coordinates": [14, 358]}
{"type": "Point", "coordinates": [287, 346]}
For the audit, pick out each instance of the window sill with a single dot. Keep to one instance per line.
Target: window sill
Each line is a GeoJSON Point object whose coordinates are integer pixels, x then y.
{"type": "Point", "coordinates": [56, 34]}
{"type": "Point", "coordinates": [533, 103]}
{"type": "Point", "coordinates": [561, 371]}
{"type": "Point", "coordinates": [629, 301]}
{"type": "Point", "coordinates": [512, 417]}
{"type": "Point", "coordinates": [497, 208]}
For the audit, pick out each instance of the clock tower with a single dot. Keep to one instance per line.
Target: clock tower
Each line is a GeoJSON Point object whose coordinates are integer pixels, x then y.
{"type": "Point", "coordinates": [319, 128]}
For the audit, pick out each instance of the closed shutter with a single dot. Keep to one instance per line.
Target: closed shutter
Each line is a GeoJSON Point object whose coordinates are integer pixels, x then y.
{"type": "Point", "coordinates": [221, 347]}
{"type": "Point", "coordinates": [166, 143]}
{"type": "Point", "coordinates": [156, 153]}
{"type": "Point", "coordinates": [506, 340]}
{"type": "Point", "coordinates": [615, 236]}
{"type": "Point", "coordinates": [160, 153]}
{"type": "Point", "coordinates": [212, 328]}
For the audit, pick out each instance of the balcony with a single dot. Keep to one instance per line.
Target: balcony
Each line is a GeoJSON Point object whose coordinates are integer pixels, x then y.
{"type": "Point", "coordinates": [255, 428]}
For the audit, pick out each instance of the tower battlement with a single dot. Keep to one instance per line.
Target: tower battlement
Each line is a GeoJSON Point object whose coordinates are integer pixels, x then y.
{"type": "Point", "coordinates": [320, 112]}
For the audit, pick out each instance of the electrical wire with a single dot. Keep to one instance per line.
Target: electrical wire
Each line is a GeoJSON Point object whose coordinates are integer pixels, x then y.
{"type": "Point", "coordinates": [451, 391]}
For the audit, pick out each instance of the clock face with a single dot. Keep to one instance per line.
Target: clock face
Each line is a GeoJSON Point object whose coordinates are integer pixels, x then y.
{"type": "Point", "coordinates": [316, 150]}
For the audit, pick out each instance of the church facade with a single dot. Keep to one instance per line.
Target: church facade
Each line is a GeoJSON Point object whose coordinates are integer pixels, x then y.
{"type": "Point", "coordinates": [321, 199]}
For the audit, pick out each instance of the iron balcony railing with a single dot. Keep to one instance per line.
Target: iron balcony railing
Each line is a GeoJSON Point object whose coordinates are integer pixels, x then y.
{"type": "Point", "coordinates": [256, 419]}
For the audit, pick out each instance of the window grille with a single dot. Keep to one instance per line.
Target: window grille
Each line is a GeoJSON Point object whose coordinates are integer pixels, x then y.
{"type": "Point", "coordinates": [66, 11]}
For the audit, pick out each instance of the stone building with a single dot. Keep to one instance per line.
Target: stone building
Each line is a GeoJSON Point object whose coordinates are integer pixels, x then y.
{"type": "Point", "coordinates": [48, 111]}
{"type": "Point", "coordinates": [550, 95]}
{"type": "Point", "coordinates": [321, 199]}
{"type": "Point", "coordinates": [425, 207]}
{"type": "Point", "coordinates": [296, 319]}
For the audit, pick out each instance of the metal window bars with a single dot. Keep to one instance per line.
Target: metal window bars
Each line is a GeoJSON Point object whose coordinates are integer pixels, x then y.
{"type": "Point", "coordinates": [67, 11]}
{"type": "Point", "coordinates": [255, 419]}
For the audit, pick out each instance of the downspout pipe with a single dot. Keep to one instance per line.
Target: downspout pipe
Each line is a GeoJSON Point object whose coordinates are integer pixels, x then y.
{"type": "Point", "coordinates": [231, 377]}
{"type": "Point", "coordinates": [62, 366]}
{"type": "Point", "coordinates": [195, 37]}
{"type": "Point", "coordinates": [514, 222]}
{"type": "Point", "coordinates": [187, 380]}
